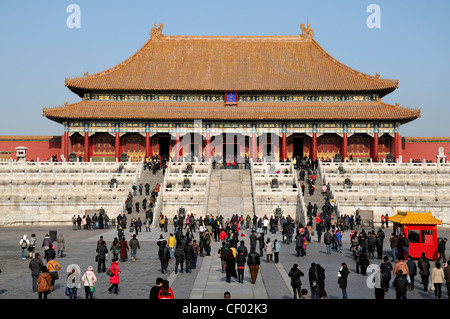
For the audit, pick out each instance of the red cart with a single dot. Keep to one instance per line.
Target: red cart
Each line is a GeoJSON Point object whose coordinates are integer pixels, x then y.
{"type": "Point", "coordinates": [421, 230]}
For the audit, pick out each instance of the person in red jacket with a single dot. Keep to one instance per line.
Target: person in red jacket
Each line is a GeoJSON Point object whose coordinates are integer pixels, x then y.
{"type": "Point", "coordinates": [114, 280]}
{"type": "Point", "coordinates": [165, 292]}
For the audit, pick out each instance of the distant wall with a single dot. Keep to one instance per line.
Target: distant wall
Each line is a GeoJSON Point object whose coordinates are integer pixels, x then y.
{"type": "Point", "coordinates": [42, 147]}
{"type": "Point", "coordinates": [424, 148]}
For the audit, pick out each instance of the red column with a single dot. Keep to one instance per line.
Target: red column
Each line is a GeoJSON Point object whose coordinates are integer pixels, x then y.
{"type": "Point", "coordinates": [66, 146]}
{"type": "Point", "coordinates": [147, 144]}
{"type": "Point", "coordinates": [397, 145]}
{"type": "Point", "coordinates": [208, 147]}
{"type": "Point", "coordinates": [86, 147]}
{"type": "Point", "coordinates": [344, 146]}
{"type": "Point", "coordinates": [117, 146]}
{"type": "Point", "coordinates": [177, 147]}
{"type": "Point", "coordinates": [63, 145]}
{"type": "Point", "coordinates": [314, 147]}
{"type": "Point", "coordinates": [375, 147]}
{"type": "Point", "coordinates": [254, 148]}
{"type": "Point", "coordinates": [283, 146]}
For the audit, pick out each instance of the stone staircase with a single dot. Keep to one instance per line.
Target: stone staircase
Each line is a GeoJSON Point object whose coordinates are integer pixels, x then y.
{"type": "Point", "coordinates": [317, 197]}
{"type": "Point", "coordinates": [147, 176]}
{"type": "Point", "coordinates": [230, 193]}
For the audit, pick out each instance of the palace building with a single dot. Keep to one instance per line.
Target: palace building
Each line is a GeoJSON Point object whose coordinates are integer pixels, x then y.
{"type": "Point", "coordinates": [247, 96]}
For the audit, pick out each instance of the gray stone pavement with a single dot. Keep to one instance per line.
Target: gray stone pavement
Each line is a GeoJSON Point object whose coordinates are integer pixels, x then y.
{"type": "Point", "coordinates": [205, 282]}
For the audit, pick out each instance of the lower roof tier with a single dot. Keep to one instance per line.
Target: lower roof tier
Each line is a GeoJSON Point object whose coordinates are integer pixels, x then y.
{"type": "Point", "coordinates": [213, 111]}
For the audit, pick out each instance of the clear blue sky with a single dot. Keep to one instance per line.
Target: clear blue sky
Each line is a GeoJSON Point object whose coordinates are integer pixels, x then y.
{"type": "Point", "coordinates": [38, 50]}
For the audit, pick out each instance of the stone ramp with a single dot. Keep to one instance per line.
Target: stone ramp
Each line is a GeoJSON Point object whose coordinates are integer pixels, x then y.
{"type": "Point", "coordinates": [230, 193]}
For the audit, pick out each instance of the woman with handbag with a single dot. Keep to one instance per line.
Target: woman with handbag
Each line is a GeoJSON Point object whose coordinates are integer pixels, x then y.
{"type": "Point", "coordinates": [114, 277]}
{"type": "Point", "coordinates": [53, 267]}
{"type": "Point", "coordinates": [88, 280]}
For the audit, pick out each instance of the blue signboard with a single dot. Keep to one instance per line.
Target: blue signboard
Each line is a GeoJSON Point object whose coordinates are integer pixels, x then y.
{"type": "Point", "coordinates": [231, 97]}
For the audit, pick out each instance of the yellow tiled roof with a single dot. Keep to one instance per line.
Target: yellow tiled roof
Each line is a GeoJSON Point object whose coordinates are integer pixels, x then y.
{"type": "Point", "coordinates": [415, 218]}
{"type": "Point", "coordinates": [231, 63]}
{"type": "Point", "coordinates": [144, 110]}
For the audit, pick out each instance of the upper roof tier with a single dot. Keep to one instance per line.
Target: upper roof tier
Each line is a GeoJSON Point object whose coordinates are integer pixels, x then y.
{"type": "Point", "coordinates": [231, 63]}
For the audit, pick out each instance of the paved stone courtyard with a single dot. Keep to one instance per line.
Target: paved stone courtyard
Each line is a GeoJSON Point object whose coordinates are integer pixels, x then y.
{"type": "Point", "coordinates": [205, 282]}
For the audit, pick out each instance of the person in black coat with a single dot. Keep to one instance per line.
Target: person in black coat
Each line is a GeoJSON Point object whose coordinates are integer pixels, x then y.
{"type": "Point", "coordinates": [313, 281]}
{"type": "Point", "coordinates": [164, 255]}
{"type": "Point", "coordinates": [102, 251]}
{"type": "Point", "coordinates": [342, 281]}
{"type": "Point", "coordinates": [412, 267]}
{"type": "Point", "coordinates": [295, 273]}
{"type": "Point", "coordinates": [179, 257]}
{"type": "Point", "coordinates": [230, 260]}
{"type": "Point", "coordinates": [188, 255]}
{"type": "Point", "coordinates": [401, 285]}
{"type": "Point", "coordinates": [386, 268]}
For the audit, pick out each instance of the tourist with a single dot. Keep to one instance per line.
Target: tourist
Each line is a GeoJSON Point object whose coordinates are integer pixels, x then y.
{"type": "Point", "coordinates": [73, 283]}
{"type": "Point", "coordinates": [276, 250]}
{"type": "Point", "coordinates": [424, 270]}
{"type": "Point", "coordinates": [44, 282]}
{"type": "Point", "coordinates": [230, 261]}
{"type": "Point", "coordinates": [196, 252]}
{"type": "Point", "coordinates": [114, 280]}
{"type": "Point", "coordinates": [61, 245]}
{"type": "Point", "coordinates": [379, 284]}
{"type": "Point", "coordinates": [386, 268]}
{"type": "Point", "coordinates": [222, 253]}
{"type": "Point", "coordinates": [269, 250]}
{"type": "Point", "coordinates": [102, 251]}
{"type": "Point", "coordinates": [313, 281]}
{"type": "Point", "coordinates": [188, 255]}
{"type": "Point", "coordinates": [88, 280]}
{"type": "Point", "coordinates": [379, 243]}
{"type": "Point", "coordinates": [53, 267]}
{"type": "Point", "coordinates": [240, 261]}
{"type": "Point", "coordinates": [24, 242]}
{"type": "Point", "coordinates": [154, 291]}
{"type": "Point", "coordinates": [207, 242]}
{"type": "Point", "coordinates": [327, 239]}
{"type": "Point", "coordinates": [164, 256]}
{"type": "Point", "coordinates": [47, 245]}
{"type": "Point", "coordinates": [394, 250]}
{"type": "Point", "coordinates": [165, 292]}
{"type": "Point", "coordinates": [171, 242]}
{"type": "Point", "coordinates": [74, 222]}
{"type": "Point", "coordinates": [124, 249]}
{"type": "Point", "coordinates": [447, 277]}
{"type": "Point", "coordinates": [179, 257]}
{"type": "Point", "coordinates": [253, 262]}
{"type": "Point", "coordinates": [400, 284]}
{"type": "Point", "coordinates": [261, 243]}
{"type": "Point", "coordinates": [115, 248]}
{"type": "Point", "coordinates": [412, 270]}
{"type": "Point", "coordinates": [35, 266]}
{"type": "Point", "coordinates": [441, 250]}
{"type": "Point", "coordinates": [32, 246]}
{"type": "Point", "coordinates": [134, 246]}
{"type": "Point", "coordinates": [295, 273]}
{"type": "Point", "coordinates": [320, 279]}
{"type": "Point", "coordinates": [342, 281]}
{"type": "Point", "coordinates": [437, 278]}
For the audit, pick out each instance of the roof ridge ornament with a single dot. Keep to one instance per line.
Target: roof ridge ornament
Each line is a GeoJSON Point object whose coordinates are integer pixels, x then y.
{"type": "Point", "coordinates": [307, 33]}
{"type": "Point", "coordinates": [156, 32]}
